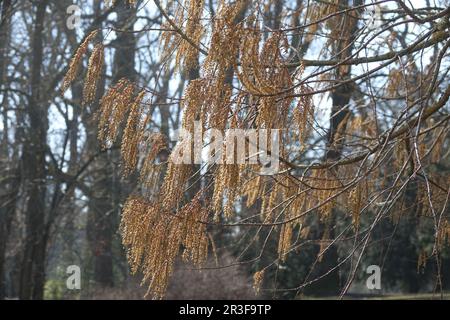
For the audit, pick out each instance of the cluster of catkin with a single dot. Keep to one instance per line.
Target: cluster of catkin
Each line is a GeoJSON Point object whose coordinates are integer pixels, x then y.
{"type": "Point", "coordinates": [155, 227]}
{"type": "Point", "coordinates": [154, 237]}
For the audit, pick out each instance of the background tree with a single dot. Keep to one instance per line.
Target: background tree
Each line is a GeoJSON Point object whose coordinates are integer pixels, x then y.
{"type": "Point", "coordinates": [88, 114]}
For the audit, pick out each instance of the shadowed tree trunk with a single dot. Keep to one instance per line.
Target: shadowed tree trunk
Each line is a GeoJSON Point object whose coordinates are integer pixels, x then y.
{"type": "Point", "coordinates": [104, 204]}
{"type": "Point", "coordinates": [329, 285]}
{"type": "Point", "coordinates": [9, 179]}
{"type": "Point", "coordinates": [99, 205]}
{"type": "Point", "coordinates": [32, 276]}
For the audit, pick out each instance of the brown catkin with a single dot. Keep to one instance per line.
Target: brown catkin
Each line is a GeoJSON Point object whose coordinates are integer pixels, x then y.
{"type": "Point", "coordinates": [174, 184]}
{"type": "Point", "coordinates": [132, 136]}
{"type": "Point", "coordinates": [76, 61]}
{"type": "Point", "coordinates": [151, 171]}
{"type": "Point", "coordinates": [94, 73]}
{"type": "Point", "coordinates": [153, 238]}
{"type": "Point", "coordinates": [113, 109]}
{"type": "Point", "coordinates": [284, 242]}
{"type": "Point", "coordinates": [258, 279]}
{"type": "Point", "coordinates": [187, 54]}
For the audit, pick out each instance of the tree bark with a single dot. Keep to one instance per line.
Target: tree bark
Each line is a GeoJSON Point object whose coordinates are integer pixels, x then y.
{"type": "Point", "coordinates": [32, 276]}
{"type": "Point", "coordinates": [330, 284]}
{"type": "Point", "coordinates": [107, 187]}
{"type": "Point", "coordinates": [7, 185]}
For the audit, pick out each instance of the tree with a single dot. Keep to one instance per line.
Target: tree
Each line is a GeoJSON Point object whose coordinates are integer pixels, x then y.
{"type": "Point", "coordinates": [274, 90]}
{"type": "Point", "coordinates": [309, 139]}
{"type": "Point", "coordinates": [32, 276]}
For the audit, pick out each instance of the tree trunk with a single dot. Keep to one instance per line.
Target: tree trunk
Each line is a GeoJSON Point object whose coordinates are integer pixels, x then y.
{"type": "Point", "coordinates": [32, 276]}
{"type": "Point", "coordinates": [107, 188]}
{"type": "Point", "coordinates": [330, 284]}
{"type": "Point", "coordinates": [7, 185]}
